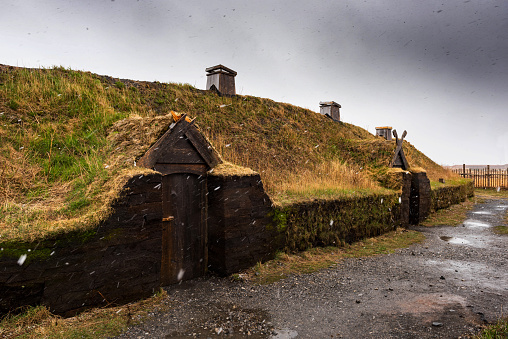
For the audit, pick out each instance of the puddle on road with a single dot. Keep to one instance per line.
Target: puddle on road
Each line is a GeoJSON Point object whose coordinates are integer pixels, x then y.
{"type": "Point", "coordinates": [453, 240]}
{"type": "Point", "coordinates": [483, 212]}
{"type": "Point", "coordinates": [285, 334]}
{"type": "Point", "coordinates": [472, 274]}
{"type": "Point", "coordinates": [475, 223]}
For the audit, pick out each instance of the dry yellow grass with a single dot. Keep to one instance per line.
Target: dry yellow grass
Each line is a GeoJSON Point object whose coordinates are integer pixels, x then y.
{"type": "Point", "coordinates": [309, 178]}
{"type": "Point", "coordinates": [71, 138]}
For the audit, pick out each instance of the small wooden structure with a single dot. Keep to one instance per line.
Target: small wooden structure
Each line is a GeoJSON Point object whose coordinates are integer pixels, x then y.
{"type": "Point", "coordinates": [221, 79]}
{"type": "Point", "coordinates": [399, 159]}
{"type": "Point", "coordinates": [330, 109]}
{"type": "Point", "coordinates": [183, 156]}
{"type": "Point", "coordinates": [385, 132]}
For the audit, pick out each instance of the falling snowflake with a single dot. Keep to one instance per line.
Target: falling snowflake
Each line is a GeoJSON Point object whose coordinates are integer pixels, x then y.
{"type": "Point", "coordinates": [22, 259]}
{"type": "Point", "coordinates": [180, 274]}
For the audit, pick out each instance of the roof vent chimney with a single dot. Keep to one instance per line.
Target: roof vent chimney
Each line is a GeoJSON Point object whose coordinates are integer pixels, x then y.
{"type": "Point", "coordinates": [221, 79]}
{"type": "Point", "coordinates": [330, 109]}
{"type": "Point", "coordinates": [385, 132]}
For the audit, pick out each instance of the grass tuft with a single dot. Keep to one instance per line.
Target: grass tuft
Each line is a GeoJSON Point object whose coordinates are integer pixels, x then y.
{"type": "Point", "coordinates": [499, 330]}
{"type": "Point", "coordinates": [503, 230]}
{"type": "Point", "coordinates": [452, 216]}
{"type": "Point", "coordinates": [38, 322]}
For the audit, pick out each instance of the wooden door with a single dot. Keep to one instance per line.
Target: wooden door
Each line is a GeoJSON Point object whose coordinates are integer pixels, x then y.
{"type": "Point", "coordinates": [184, 233]}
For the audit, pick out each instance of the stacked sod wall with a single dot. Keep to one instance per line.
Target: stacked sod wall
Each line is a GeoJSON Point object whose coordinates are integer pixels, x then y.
{"type": "Point", "coordinates": [116, 262]}
{"type": "Point", "coordinates": [120, 260]}
{"type": "Point", "coordinates": [336, 222]}
{"type": "Point", "coordinates": [445, 196]}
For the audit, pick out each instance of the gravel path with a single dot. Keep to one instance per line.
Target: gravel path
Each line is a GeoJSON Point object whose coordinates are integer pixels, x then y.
{"type": "Point", "coordinates": [444, 288]}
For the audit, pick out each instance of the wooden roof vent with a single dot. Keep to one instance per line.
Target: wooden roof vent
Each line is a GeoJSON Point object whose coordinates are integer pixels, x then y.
{"type": "Point", "coordinates": [330, 109]}
{"type": "Point", "coordinates": [385, 132]}
{"type": "Point", "coordinates": [221, 79]}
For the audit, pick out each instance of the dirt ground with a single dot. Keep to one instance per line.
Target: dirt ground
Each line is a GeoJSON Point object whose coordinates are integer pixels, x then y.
{"type": "Point", "coordinates": [446, 287]}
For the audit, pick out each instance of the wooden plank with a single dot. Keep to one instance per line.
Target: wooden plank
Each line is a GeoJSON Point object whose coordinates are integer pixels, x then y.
{"type": "Point", "coordinates": [203, 147]}
{"type": "Point", "coordinates": [164, 144]}
{"type": "Point", "coordinates": [184, 198]}
{"type": "Point", "coordinates": [181, 144]}
{"type": "Point", "coordinates": [488, 175]}
{"type": "Point", "coordinates": [182, 152]}
{"type": "Point", "coordinates": [198, 169]}
{"type": "Point", "coordinates": [167, 249]}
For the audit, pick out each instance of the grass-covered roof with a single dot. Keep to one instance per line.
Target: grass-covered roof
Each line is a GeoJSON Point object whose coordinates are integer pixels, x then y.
{"type": "Point", "coordinates": [70, 140]}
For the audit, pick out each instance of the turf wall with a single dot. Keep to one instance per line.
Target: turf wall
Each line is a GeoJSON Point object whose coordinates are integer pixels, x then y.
{"type": "Point", "coordinates": [336, 222]}
{"type": "Point", "coordinates": [116, 262]}
{"type": "Point", "coordinates": [445, 196]}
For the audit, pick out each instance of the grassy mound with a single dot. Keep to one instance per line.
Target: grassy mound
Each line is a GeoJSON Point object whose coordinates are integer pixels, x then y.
{"type": "Point", "coordinates": [70, 140]}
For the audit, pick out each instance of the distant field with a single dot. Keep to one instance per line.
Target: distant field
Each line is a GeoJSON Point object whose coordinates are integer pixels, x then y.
{"type": "Point", "coordinates": [478, 166]}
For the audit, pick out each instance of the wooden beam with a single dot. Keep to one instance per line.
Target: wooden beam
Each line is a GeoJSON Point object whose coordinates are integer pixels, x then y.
{"type": "Point", "coordinates": [165, 169]}
{"type": "Point", "coordinates": [168, 139]}
{"type": "Point", "coordinates": [203, 147]}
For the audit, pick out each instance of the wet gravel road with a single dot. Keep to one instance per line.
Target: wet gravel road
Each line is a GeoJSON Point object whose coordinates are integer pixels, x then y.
{"type": "Point", "coordinates": [444, 288]}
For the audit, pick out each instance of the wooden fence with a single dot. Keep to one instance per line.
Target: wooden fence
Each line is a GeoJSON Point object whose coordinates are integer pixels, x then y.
{"type": "Point", "coordinates": [485, 177]}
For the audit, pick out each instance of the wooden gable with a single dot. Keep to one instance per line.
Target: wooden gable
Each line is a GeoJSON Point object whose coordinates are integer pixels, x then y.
{"type": "Point", "coordinates": [182, 149]}
{"type": "Point", "coordinates": [399, 159]}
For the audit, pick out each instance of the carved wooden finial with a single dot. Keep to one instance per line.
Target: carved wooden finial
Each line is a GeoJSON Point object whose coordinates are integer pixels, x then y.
{"type": "Point", "coordinates": [399, 159]}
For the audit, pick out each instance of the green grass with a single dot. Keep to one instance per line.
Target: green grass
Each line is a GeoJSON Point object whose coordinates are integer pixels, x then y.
{"type": "Point", "coordinates": [63, 156]}
{"type": "Point", "coordinates": [315, 259]}
{"type": "Point", "coordinates": [491, 193]}
{"type": "Point", "coordinates": [503, 230]}
{"type": "Point", "coordinates": [452, 216]}
{"type": "Point", "coordinates": [38, 322]}
{"type": "Point", "coordinates": [498, 330]}
{"type": "Point", "coordinates": [448, 182]}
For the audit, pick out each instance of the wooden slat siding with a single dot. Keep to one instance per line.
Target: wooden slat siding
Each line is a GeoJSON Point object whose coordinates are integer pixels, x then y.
{"type": "Point", "coordinates": [182, 152]}
{"type": "Point", "coordinates": [203, 147]}
{"type": "Point", "coordinates": [485, 177]}
{"type": "Point", "coordinates": [185, 256]}
{"type": "Point", "coordinates": [199, 169]}
{"type": "Point", "coordinates": [167, 248]}
{"type": "Point", "coordinates": [165, 143]}
{"type": "Point", "coordinates": [174, 147]}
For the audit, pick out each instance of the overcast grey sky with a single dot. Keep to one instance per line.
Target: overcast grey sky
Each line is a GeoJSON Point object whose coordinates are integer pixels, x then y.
{"type": "Point", "coordinates": [438, 69]}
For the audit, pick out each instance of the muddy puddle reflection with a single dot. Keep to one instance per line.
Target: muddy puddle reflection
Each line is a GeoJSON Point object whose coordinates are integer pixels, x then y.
{"type": "Point", "coordinates": [454, 240]}
{"type": "Point", "coordinates": [475, 223]}
{"type": "Point", "coordinates": [285, 334]}
{"type": "Point", "coordinates": [483, 212]}
{"type": "Point", "coordinates": [229, 321]}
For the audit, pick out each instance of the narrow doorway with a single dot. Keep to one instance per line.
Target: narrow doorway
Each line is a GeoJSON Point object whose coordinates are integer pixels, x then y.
{"type": "Point", "coordinates": [184, 231]}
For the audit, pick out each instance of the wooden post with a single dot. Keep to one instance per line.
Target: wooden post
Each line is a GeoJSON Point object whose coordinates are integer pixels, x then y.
{"type": "Point", "coordinates": [488, 175]}
{"type": "Point", "coordinates": [463, 170]}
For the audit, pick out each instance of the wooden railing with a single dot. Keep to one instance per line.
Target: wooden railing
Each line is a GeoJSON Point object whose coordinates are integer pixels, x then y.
{"type": "Point", "coordinates": [485, 177]}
